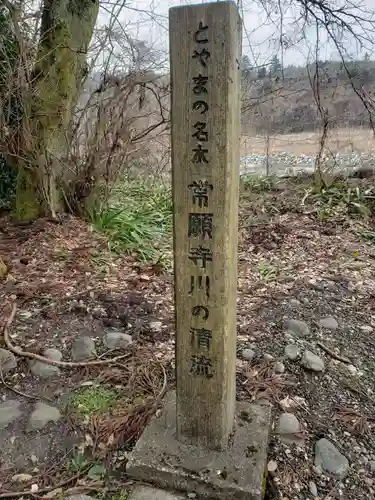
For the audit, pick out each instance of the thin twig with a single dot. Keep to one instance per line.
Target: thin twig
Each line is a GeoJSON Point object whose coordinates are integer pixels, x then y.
{"type": "Point", "coordinates": [15, 494]}
{"type": "Point", "coordinates": [66, 364]}
{"type": "Point", "coordinates": [16, 391]}
{"type": "Point", "coordinates": [343, 359]}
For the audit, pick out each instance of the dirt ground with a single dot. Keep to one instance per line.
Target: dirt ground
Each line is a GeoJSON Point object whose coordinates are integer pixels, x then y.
{"type": "Point", "coordinates": [343, 140]}
{"type": "Point", "coordinates": [292, 266]}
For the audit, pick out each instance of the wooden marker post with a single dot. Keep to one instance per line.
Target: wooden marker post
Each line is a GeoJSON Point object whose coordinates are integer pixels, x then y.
{"type": "Point", "coordinates": [205, 54]}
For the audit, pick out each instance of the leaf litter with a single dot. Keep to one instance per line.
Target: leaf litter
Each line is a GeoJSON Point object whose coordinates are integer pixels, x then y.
{"type": "Point", "coordinates": [65, 281]}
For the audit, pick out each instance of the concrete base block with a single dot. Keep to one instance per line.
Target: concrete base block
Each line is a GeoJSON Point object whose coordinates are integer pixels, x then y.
{"type": "Point", "coordinates": [237, 473]}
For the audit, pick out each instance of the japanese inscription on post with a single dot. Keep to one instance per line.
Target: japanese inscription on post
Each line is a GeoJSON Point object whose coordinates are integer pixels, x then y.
{"type": "Point", "coordinates": [201, 219]}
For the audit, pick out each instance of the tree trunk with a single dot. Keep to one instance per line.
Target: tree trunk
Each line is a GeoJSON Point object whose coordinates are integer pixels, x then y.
{"type": "Point", "coordinates": [66, 31]}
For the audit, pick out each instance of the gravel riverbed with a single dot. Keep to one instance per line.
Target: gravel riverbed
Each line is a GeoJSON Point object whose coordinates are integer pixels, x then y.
{"type": "Point", "coordinates": [287, 164]}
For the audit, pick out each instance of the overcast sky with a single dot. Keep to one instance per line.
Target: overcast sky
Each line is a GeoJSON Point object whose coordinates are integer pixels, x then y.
{"type": "Point", "coordinates": [148, 20]}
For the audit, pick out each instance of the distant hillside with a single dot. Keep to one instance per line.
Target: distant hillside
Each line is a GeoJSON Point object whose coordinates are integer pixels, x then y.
{"type": "Point", "coordinates": [277, 101]}
{"type": "Point", "coordinates": [274, 101]}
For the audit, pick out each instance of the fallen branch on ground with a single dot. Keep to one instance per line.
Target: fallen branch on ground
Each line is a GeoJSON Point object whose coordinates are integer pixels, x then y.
{"type": "Point", "coordinates": [31, 355]}
{"type": "Point", "coordinates": [333, 354]}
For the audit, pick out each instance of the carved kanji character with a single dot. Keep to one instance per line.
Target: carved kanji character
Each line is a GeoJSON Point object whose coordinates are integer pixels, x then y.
{"type": "Point", "coordinates": [202, 366]}
{"type": "Point", "coordinates": [200, 191]}
{"type": "Point", "coordinates": [200, 226]}
{"type": "Point", "coordinates": [199, 155]}
{"type": "Point", "coordinates": [201, 254]}
{"type": "Point", "coordinates": [200, 134]}
{"type": "Point", "coordinates": [201, 337]}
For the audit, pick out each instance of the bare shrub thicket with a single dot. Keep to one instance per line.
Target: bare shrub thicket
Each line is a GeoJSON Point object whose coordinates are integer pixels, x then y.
{"type": "Point", "coordinates": [117, 132]}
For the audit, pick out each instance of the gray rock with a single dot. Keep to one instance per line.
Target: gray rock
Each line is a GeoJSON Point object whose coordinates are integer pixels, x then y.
{"type": "Point", "coordinates": [45, 370]}
{"type": "Point", "coordinates": [279, 367]}
{"type": "Point", "coordinates": [328, 457]}
{"type": "Point", "coordinates": [267, 357]}
{"type": "Point", "coordinates": [351, 369]}
{"type": "Point", "coordinates": [312, 362]}
{"type": "Point", "coordinates": [8, 361]}
{"type": "Point", "coordinates": [248, 354]}
{"type": "Point", "coordinates": [156, 326]}
{"type": "Point", "coordinates": [329, 323]}
{"type": "Point", "coordinates": [117, 340]}
{"type": "Point", "coordinates": [289, 428]}
{"type": "Point", "coordinates": [294, 303]}
{"type": "Point", "coordinates": [372, 465]}
{"type": "Point", "coordinates": [272, 466]}
{"type": "Point", "coordinates": [292, 351]}
{"type": "Point", "coordinates": [297, 327]}
{"type": "Point", "coordinates": [42, 415]}
{"type": "Point", "coordinates": [313, 489]}
{"type": "Point", "coordinates": [53, 353]}
{"type": "Point", "coordinates": [83, 348]}
{"type": "Point", "coordinates": [9, 412]}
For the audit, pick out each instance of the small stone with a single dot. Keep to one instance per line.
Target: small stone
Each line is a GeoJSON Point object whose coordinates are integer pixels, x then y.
{"type": "Point", "coordinates": [53, 353]}
{"type": "Point", "coordinates": [267, 357]}
{"type": "Point", "coordinates": [312, 362]}
{"type": "Point", "coordinates": [42, 415]}
{"type": "Point", "coordinates": [21, 478]}
{"type": "Point", "coordinates": [8, 361]}
{"type": "Point", "coordinates": [248, 354]}
{"type": "Point", "coordinates": [313, 489]}
{"type": "Point", "coordinates": [367, 329]}
{"type": "Point", "coordinates": [294, 303]}
{"type": "Point", "coordinates": [33, 459]}
{"type": "Point", "coordinates": [117, 340]}
{"type": "Point", "coordinates": [352, 369]}
{"type": "Point", "coordinates": [43, 370]}
{"type": "Point", "coordinates": [192, 495]}
{"type": "Point", "coordinates": [292, 351]}
{"type": "Point", "coordinates": [317, 469]}
{"type": "Point", "coordinates": [79, 496]}
{"type": "Point", "coordinates": [372, 465]}
{"type": "Point", "coordinates": [9, 412]}
{"type": "Point", "coordinates": [296, 327]}
{"type": "Point", "coordinates": [330, 459]}
{"type": "Point", "coordinates": [329, 323]}
{"type": "Point", "coordinates": [156, 326]}
{"type": "Point", "coordinates": [289, 428]}
{"type": "Point", "coordinates": [83, 348]}
{"type": "Point", "coordinates": [272, 466]}
{"type": "Point", "coordinates": [279, 367]}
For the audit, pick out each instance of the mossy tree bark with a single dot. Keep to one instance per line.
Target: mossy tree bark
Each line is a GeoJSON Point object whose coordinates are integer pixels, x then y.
{"type": "Point", "coordinates": [66, 31]}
